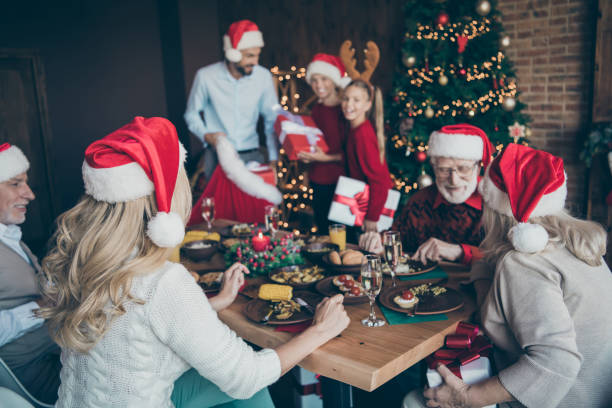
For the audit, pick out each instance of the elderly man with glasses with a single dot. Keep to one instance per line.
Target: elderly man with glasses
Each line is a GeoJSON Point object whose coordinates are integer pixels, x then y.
{"type": "Point", "coordinates": [442, 222]}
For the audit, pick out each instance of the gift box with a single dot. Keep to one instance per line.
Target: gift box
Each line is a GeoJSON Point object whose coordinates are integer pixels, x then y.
{"type": "Point", "coordinates": [351, 200]}
{"type": "Point", "coordinates": [298, 133]}
{"type": "Point", "coordinates": [264, 171]}
{"type": "Point", "coordinates": [466, 355]}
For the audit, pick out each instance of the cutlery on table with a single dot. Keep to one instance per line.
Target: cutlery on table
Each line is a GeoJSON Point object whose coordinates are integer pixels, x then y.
{"type": "Point", "coordinates": [267, 316]}
{"type": "Point", "coordinates": [305, 304]}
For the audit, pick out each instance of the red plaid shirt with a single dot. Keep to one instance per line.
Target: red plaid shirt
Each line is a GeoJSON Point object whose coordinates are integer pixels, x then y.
{"type": "Point", "coordinates": [427, 214]}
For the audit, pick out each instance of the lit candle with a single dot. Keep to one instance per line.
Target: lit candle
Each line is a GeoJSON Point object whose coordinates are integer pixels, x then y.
{"type": "Point", "coordinates": [260, 242]}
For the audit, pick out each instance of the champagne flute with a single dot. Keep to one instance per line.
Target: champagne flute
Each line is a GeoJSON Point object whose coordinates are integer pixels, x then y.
{"type": "Point", "coordinates": [371, 280]}
{"type": "Point", "coordinates": [272, 218]}
{"type": "Point", "coordinates": [208, 211]}
{"type": "Point", "coordinates": [393, 251]}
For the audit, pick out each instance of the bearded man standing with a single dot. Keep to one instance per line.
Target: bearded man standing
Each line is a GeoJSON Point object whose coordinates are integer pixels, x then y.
{"type": "Point", "coordinates": [228, 97]}
{"type": "Point", "coordinates": [442, 221]}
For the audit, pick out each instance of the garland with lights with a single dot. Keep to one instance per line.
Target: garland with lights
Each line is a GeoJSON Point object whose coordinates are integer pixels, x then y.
{"type": "Point", "coordinates": [453, 70]}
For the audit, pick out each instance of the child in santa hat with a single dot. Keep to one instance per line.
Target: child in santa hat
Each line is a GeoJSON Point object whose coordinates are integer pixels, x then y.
{"type": "Point", "coordinates": [130, 323]}
{"type": "Point", "coordinates": [327, 77]}
{"type": "Point", "coordinates": [548, 309]}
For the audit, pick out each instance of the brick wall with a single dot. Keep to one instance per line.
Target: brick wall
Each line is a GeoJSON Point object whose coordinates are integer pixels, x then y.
{"type": "Point", "coordinates": [552, 47]}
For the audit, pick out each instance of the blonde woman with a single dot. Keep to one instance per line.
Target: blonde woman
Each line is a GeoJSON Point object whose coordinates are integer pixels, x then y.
{"type": "Point", "coordinates": [548, 309]}
{"type": "Point", "coordinates": [129, 322]}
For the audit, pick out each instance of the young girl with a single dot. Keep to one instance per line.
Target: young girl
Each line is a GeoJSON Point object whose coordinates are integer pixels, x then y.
{"type": "Point", "coordinates": [326, 76]}
{"type": "Point", "coordinates": [129, 322]}
{"type": "Point", "coordinates": [365, 148]}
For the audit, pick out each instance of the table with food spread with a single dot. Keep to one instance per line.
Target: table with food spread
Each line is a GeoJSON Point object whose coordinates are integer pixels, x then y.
{"type": "Point", "coordinates": [364, 357]}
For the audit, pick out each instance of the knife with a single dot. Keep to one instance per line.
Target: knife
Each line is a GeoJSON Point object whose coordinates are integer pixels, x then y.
{"type": "Point", "coordinates": [302, 302]}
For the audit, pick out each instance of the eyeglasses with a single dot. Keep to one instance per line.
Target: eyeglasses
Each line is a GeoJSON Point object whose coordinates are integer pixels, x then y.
{"type": "Point", "coordinates": [462, 171]}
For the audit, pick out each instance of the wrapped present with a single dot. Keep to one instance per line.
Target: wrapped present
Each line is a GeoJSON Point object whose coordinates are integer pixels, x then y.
{"type": "Point", "coordinates": [351, 200]}
{"type": "Point", "coordinates": [297, 133]}
{"type": "Point", "coordinates": [466, 355]}
{"type": "Point", "coordinates": [264, 171]}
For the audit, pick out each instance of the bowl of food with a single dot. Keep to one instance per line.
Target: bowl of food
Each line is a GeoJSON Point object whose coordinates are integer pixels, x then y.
{"type": "Point", "coordinates": [347, 261]}
{"type": "Point", "coordinates": [315, 251]}
{"type": "Point", "coordinates": [201, 250]}
{"type": "Point", "coordinates": [298, 276]}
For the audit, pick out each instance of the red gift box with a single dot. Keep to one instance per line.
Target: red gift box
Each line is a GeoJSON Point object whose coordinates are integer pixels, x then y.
{"type": "Point", "coordinates": [298, 133]}
{"type": "Point", "coordinates": [265, 172]}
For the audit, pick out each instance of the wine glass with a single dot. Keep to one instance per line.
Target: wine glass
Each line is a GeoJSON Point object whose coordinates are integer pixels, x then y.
{"type": "Point", "coordinates": [393, 251]}
{"type": "Point", "coordinates": [371, 280]}
{"type": "Point", "coordinates": [272, 217]}
{"type": "Point", "coordinates": [208, 211]}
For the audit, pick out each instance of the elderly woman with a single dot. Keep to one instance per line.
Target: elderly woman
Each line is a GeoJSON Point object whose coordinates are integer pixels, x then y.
{"type": "Point", "coordinates": [129, 322]}
{"type": "Point", "coordinates": [548, 309]}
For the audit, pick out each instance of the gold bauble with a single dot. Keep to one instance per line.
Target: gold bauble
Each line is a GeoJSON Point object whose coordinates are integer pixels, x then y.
{"type": "Point", "coordinates": [429, 113]}
{"type": "Point", "coordinates": [424, 180]}
{"type": "Point", "coordinates": [505, 41]}
{"type": "Point", "coordinates": [483, 7]}
{"type": "Point", "coordinates": [471, 113]}
{"type": "Point", "coordinates": [509, 104]}
{"type": "Point", "coordinates": [443, 80]}
{"type": "Point", "coordinates": [527, 132]}
{"type": "Point", "coordinates": [409, 60]}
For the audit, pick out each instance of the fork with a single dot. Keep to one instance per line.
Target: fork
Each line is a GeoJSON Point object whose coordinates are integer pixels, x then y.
{"type": "Point", "coordinates": [267, 316]}
{"type": "Point", "coordinates": [302, 302]}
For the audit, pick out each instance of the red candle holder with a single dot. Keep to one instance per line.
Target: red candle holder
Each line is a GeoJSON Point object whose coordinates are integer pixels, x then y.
{"type": "Point", "coordinates": [260, 242]}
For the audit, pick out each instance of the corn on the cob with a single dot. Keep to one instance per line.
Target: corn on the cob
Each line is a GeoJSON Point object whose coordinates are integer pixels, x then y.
{"type": "Point", "coordinates": [270, 291]}
{"type": "Point", "coordinates": [194, 235]}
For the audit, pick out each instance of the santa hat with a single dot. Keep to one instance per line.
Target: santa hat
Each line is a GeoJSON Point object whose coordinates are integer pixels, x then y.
{"type": "Point", "coordinates": [522, 183]}
{"type": "Point", "coordinates": [134, 161]}
{"type": "Point", "coordinates": [241, 35]}
{"type": "Point", "coordinates": [461, 141]}
{"type": "Point", "coordinates": [330, 66]}
{"type": "Point", "coordinates": [12, 162]}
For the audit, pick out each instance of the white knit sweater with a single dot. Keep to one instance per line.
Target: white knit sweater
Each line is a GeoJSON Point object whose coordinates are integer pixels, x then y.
{"type": "Point", "coordinates": [145, 350]}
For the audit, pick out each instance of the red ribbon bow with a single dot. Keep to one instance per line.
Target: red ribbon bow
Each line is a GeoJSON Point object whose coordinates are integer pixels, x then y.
{"type": "Point", "coordinates": [463, 347]}
{"type": "Point", "coordinates": [461, 43]}
{"type": "Point", "coordinates": [358, 204]}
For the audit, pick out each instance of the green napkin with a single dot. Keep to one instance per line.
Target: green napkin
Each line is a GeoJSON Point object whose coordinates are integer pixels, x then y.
{"type": "Point", "coordinates": [394, 317]}
{"type": "Point", "coordinates": [437, 273]}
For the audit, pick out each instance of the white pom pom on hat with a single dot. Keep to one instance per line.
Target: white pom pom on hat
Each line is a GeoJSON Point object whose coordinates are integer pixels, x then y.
{"type": "Point", "coordinates": [523, 183]}
{"type": "Point", "coordinates": [12, 162]}
{"type": "Point", "coordinates": [241, 35]}
{"type": "Point", "coordinates": [134, 161]}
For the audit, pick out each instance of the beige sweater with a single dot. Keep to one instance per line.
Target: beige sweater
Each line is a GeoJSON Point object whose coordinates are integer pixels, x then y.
{"type": "Point", "coordinates": [550, 317]}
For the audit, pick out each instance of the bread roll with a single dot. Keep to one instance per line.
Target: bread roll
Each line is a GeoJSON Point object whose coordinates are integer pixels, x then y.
{"type": "Point", "coordinates": [334, 257]}
{"type": "Point", "coordinates": [352, 257]}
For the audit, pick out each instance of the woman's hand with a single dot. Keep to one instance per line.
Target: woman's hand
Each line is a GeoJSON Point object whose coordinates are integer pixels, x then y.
{"type": "Point", "coordinates": [233, 279]}
{"type": "Point", "coordinates": [371, 242]}
{"type": "Point", "coordinates": [369, 226]}
{"type": "Point", "coordinates": [318, 156]}
{"type": "Point", "coordinates": [330, 318]}
{"type": "Point", "coordinates": [453, 393]}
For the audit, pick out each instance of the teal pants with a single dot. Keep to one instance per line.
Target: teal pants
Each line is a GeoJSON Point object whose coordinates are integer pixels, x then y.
{"type": "Point", "coordinates": [192, 390]}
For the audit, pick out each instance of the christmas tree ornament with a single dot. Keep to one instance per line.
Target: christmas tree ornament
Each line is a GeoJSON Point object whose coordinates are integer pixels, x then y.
{"type": "Point", "coordinates": [528, 132]}
{"type": "Point", "coordinates": [505, 41]}
{"type": "Point", "coordinates": [421, 156]}
{"type": "Point", "coordinates": [409, 61]}
{"type": "Point", "coordinates": [396, 99]}
{"type": "Point", "coordinates": [462, 41]}
{"type": "Point", "coordinates": [471, 113]}
{"type": "Point", "coordinates": [442, 18]}
{"type": "Point", "coordinates": [461, 72]}
{"type": "Point", "coordinates": [407, 152]}
{"type": "Point", "coordinates": [406, 126]}
{"type": "Point", "coordinates": [509, 103]}
{"type": "Point", "coordinates": [516, 131]}
{"type": "Point", "coordinates": [429, 113]}
{"type": "Point", "coordinates": [443, 80]}
{"type": "Point", "coordinates": [424, 180]}
{"type": "Point", "coordinates": [483, 7]}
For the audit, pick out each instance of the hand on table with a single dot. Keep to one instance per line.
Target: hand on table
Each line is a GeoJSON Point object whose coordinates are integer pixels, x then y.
{"type": "Point", "coordinates": [330, 318]}
{"type": "Point", "coordinates": [233, 279]}
{"type": "Point", "coordinates": [453, 393]}
{"type": "Point", "coordinates": [371, 242]}
{"type": "Point", "coordinates": [437, 250]}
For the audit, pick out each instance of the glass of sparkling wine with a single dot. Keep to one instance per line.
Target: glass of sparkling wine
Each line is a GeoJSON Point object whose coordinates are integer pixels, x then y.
{"type": "Point", "coordinates": [393, 251]}
{"type": "Point", "coordinates": [272, 217]}
{"type": "Point", "coordinates": [208, 211]}
{"type": "Point", "coordinates": [371, 280]}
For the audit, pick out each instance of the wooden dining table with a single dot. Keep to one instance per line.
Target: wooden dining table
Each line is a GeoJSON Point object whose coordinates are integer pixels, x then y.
{"type": "Point", "coordinates": [363, 357]}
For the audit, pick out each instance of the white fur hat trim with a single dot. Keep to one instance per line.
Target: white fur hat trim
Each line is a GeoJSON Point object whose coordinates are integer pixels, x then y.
{"type": "Point", "coordinates": [166, 230]}
{"type": "Point", "coordinates": [12, 163]}
{"type": "Point", "coordinates": [330, 71]}
{"type": "Point", "coordinates": [455, 145]}
{"type": "Point", "coordinates": [237, 172]}
{"type": "Point", "coordinates": [528, 238]}
{"type": "Point", "coordinates": [249, 39]}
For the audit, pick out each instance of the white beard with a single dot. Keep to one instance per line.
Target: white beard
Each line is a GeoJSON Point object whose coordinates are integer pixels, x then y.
{"type": "Point", "coordinates": [459, 196]}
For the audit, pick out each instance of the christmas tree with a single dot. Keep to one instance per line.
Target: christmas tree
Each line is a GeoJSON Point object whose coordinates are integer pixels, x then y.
{"type": "Point", "coordinates": [453, 70]}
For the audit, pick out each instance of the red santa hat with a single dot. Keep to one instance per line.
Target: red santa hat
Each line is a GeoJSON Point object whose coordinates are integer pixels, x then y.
{"type": "Point", "coordinates": [134, 161]}
{"type": "Point", "coordinates": [461, 141]}
{"type": "Point", "coordinates": [241, 35]}
{"type": "Point", "coordinates": [329, 65]}
{"type": "Point", "coordinates": [12, 162]}
{"type": "Point", "coordinates": [522, 183]}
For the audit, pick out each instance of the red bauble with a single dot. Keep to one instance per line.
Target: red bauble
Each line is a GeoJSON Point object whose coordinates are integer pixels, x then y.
{"type": "Point", "coordinates": [421, 156]}
{"type": "Point", "coordinates": [462, 72]}
{"type": "Point", "coordinates": [396, 99]}
{"type": "Point", "coordinates": [442, 18]}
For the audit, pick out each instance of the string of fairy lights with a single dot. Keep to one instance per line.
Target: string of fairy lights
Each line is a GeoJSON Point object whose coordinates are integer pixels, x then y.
{"type": "Point", "coordinates": [449, 32]}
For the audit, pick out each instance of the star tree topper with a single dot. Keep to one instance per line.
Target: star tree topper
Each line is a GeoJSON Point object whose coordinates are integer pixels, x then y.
{"type": "Point", "coordinates": [516, 131]}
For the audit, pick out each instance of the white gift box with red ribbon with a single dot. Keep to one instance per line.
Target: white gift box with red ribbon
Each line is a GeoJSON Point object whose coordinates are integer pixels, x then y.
{"type": "Point", "coordinates": [351, 200]}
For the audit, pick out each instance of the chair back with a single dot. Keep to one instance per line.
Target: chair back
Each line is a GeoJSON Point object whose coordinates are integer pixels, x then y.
{"type": "Point", "coordinates": [9, 381]}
